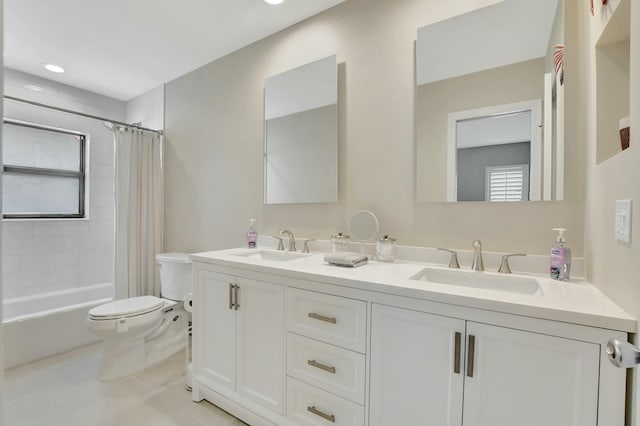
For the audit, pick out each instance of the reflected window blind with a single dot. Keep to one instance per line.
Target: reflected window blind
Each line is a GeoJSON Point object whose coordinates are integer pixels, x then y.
{"type": "Point", "coordinates": [507, 183]}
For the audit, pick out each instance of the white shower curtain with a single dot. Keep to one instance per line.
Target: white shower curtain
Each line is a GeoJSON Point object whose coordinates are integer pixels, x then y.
{"type": "Point", "coordinates": [138, 211]}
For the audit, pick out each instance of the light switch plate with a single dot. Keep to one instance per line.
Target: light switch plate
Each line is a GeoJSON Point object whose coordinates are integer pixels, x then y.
{"type": "Point", "coordinates": [623, 221]}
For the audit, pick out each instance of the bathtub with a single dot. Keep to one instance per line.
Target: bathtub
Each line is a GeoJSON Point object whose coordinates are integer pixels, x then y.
{"type": "Point", "coordinates": [50, 323]}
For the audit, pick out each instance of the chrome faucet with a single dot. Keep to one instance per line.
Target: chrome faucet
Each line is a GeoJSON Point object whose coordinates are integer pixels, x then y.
{"type": "Point", "coordinates": [504, 266]}
{"type": "Point", "coordinates": [477, 264]}
{"type": "Point", "coordinates": [292, 240]}
{"type": "Point", "coordinates": [453, 261]}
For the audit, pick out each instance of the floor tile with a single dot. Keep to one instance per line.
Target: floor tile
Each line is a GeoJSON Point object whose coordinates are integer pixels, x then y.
{"type": "Point", "coordinates": [62, 390]}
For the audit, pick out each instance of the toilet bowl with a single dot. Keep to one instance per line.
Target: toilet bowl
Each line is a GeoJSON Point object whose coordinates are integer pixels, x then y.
{"type": "Point", "coordinates": [141, 331]}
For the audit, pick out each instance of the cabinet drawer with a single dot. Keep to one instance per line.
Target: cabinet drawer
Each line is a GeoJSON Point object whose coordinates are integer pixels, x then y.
{"type": "Point", "coordinates": [332, 319]}
{"type": "Point", "coordinates": [310, 406]}
{"type": "Point", "coordinates": [329, 367]}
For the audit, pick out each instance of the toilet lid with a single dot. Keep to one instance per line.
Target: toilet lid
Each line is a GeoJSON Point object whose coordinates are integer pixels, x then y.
{"type": "Point", "coordinates": [126, 307]}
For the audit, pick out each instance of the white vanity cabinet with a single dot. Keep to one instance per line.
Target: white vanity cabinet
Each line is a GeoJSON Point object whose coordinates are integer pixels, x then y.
{"type": "Point", "coordinates": [422, 365]}
{"type": "Point", "coordinates": [239, 337]}
{"type": "Point", "coordinates": [326, 359]}
{"type": "Point", "coordinates": [413, 378]}
{"type": "Point", "coordinates": [300, 343]}
{"type": "Point", "coordinates": [529, 378]}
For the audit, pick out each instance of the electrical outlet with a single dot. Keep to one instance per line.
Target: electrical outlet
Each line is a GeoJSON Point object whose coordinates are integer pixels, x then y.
{"type": "Point", "coordinates": [623, 221]}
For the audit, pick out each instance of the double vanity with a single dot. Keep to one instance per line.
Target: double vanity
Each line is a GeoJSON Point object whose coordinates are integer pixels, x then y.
{"type": "Point", "coordinates": [283, 338]}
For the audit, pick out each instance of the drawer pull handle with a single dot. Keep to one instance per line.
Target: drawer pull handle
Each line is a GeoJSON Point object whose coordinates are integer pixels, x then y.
{"type": "Point", "coordinates": [322, 318]}
{"type": "Point", "coordinates": [316, 364]}
{"type": "Point", "coordinates": [317, 412]}
{"type": "Point", "coordinates": [471, 355]}
{"type": "Point", "coordinates": [456, 352]}
{"type": "Point", "coordinates": [236, 305]}
{"type": "Point", "coordinates": [231, 295]}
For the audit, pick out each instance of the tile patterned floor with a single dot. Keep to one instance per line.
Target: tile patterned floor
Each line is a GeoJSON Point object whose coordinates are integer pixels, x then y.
{"type": "Point", "coordinates": [62, 391]}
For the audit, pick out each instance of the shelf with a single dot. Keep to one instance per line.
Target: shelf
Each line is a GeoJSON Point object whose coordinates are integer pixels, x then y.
{"type": "Point", "coordinates": [618, 26]}
{"type": "Point", "coordinates": [612, 51]}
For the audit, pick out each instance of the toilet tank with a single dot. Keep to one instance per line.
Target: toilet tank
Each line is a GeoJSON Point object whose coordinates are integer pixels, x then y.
{"type": "Point", "coordinates": [175, 275]}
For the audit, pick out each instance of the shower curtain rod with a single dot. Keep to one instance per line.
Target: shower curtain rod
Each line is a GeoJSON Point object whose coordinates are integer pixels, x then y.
{"type": "Point", "coordinates": [82, 114]}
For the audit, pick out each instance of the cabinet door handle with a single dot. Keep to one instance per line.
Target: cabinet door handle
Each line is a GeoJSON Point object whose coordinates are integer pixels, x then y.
{"type": "Point", "coordinates": [316, 364]}
{"type": "Point", "coordinates": [322, 318]}
{"type": "Point", "coordinates": [456, 352]}
{"type": "Point", "coordinates": [470, 355]}
{"type": "Point", "coordinates": [325, 416]}
{"type": "Point", "coordinates": [230, 296]}
{"type": "Point", "coordinates": [236, 305]}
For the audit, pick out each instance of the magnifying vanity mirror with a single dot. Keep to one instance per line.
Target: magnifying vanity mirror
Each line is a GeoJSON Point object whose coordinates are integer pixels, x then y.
{"type": "Point", "coordinates": [490, 104]}
{"type": "Point", "coordinates": [364, 226]}
{"type": "Point", "coordinates": [301, 134]}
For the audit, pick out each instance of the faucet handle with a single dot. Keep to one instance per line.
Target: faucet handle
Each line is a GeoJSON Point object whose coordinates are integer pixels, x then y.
{"type": "Point", "coordinates": [504, 266]}
{"type": "Point", "coordinates": [453, 263]}
{"type": "Point", "coordinates": [305, 249]}
{"type": "Point", "coordinates": [280, 245]}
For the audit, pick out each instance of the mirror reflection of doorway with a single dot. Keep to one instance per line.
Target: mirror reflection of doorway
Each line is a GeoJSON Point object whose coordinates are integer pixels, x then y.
{"type": "Point", "coordinates": [495, 153]}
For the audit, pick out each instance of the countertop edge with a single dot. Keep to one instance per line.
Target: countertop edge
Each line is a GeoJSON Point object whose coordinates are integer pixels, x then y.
{"type": "Point", "coordinates": [623, 323]}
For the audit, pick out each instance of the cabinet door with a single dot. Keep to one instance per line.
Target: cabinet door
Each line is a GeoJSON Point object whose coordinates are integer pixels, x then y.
{"type": "Point", "coordinates": [214, 328]}
{"type": "Point", "coordinates": [413, 368]}
{"type": "Point", "coordinates": [528, 379]}
{"type": "Point", "coordinates": [260, 343]}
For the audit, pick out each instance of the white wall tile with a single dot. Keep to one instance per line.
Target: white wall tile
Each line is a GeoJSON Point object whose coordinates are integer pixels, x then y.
{"type": "Point", "coordinates": [14, 246]}
{"type": "Point", "coordinates": [102, 171]}
{"type": "Point", "coordinates": [61, 228]}
{"type": "Point", "coordinates": [147, 109]}
{"type": "Point", "coordinates": [26, 282]}
{"type": "Point", "coordinates": [50, 255]}
{"type": "Point", "coordinates": [11, 263]}
{"type": "Point", "coordinates": [17, 229]}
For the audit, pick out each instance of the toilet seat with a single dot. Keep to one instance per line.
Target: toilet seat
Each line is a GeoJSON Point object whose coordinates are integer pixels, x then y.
{"type": "Point", "coordinates": [126, 308]}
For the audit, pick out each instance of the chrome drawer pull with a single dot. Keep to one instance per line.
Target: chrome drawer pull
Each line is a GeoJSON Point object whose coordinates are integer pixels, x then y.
{"type": "Point", "coordinates": [471, 355]}
{"type": "Point", "coordinates": [316, 364]}
{"type": "Point", "coordinates": [322, 318]}
{"type": "Point", "coordinates": [236, 305]}
{"type": "Point", "coordinates": [456, 353]}
{"type": "Point", "coordinates": [317, 412]}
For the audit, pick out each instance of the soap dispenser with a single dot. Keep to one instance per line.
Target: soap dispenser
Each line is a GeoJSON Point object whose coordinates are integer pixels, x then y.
{"type": "Point", "coordinates": [560, 259]}
{"type": "Point", "coordinates": [252, 234]}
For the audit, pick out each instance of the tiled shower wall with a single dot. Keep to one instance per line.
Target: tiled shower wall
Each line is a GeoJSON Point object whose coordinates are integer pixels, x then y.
{"type": "Point", "coordinates": [48, 255]}
{"type": "Point", "coordinates": [147, 109]}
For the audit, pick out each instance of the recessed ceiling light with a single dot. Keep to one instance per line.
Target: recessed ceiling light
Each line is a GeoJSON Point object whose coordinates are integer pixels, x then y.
{"type": "Point", "coordinates": [33, 87]}
{"type": "Point", "coordinates": [274, 2]}
{"type": "Point", "coordinates": [54, 68]}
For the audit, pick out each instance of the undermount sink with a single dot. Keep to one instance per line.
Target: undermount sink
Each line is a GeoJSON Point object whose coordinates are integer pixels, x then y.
{"type": "Point", "coordinates": [483, 280]}
{"type": "Point", "coordinates": [271, 255]}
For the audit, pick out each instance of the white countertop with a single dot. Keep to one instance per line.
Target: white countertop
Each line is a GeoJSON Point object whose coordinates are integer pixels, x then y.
{"type": "Point", "coordinates": [576, 302]}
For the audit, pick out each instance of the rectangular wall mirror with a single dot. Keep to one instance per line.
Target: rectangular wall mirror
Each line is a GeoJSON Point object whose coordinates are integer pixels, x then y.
{"type": "Point", "coordinates": [301, 134]}
{"type": "Point", "coordinates": [490, 104]}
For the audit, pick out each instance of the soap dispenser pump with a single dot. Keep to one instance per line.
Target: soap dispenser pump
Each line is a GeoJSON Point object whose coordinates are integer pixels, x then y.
{"type": "Point", "coordinates": [560, 259]}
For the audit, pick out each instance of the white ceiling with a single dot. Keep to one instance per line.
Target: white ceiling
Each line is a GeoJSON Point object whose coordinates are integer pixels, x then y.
{"type": "Point", "coordinates": [123, 48]}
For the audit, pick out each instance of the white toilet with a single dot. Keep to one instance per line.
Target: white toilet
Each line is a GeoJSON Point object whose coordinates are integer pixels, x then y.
{"type": "Point", "coordinates": [141, 331]}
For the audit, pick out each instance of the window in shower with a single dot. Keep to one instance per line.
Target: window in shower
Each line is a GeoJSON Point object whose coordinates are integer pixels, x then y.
{"type": "Point", "coordinates": [44, 171]}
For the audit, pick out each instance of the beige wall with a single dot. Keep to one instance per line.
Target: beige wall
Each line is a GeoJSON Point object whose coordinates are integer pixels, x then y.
{"type": "Point", "coordinates": [435, 101]}
{"type": "Point", "coordinates": [614, 266]}
{"type": "Point", "coordinates": [214, 133]}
